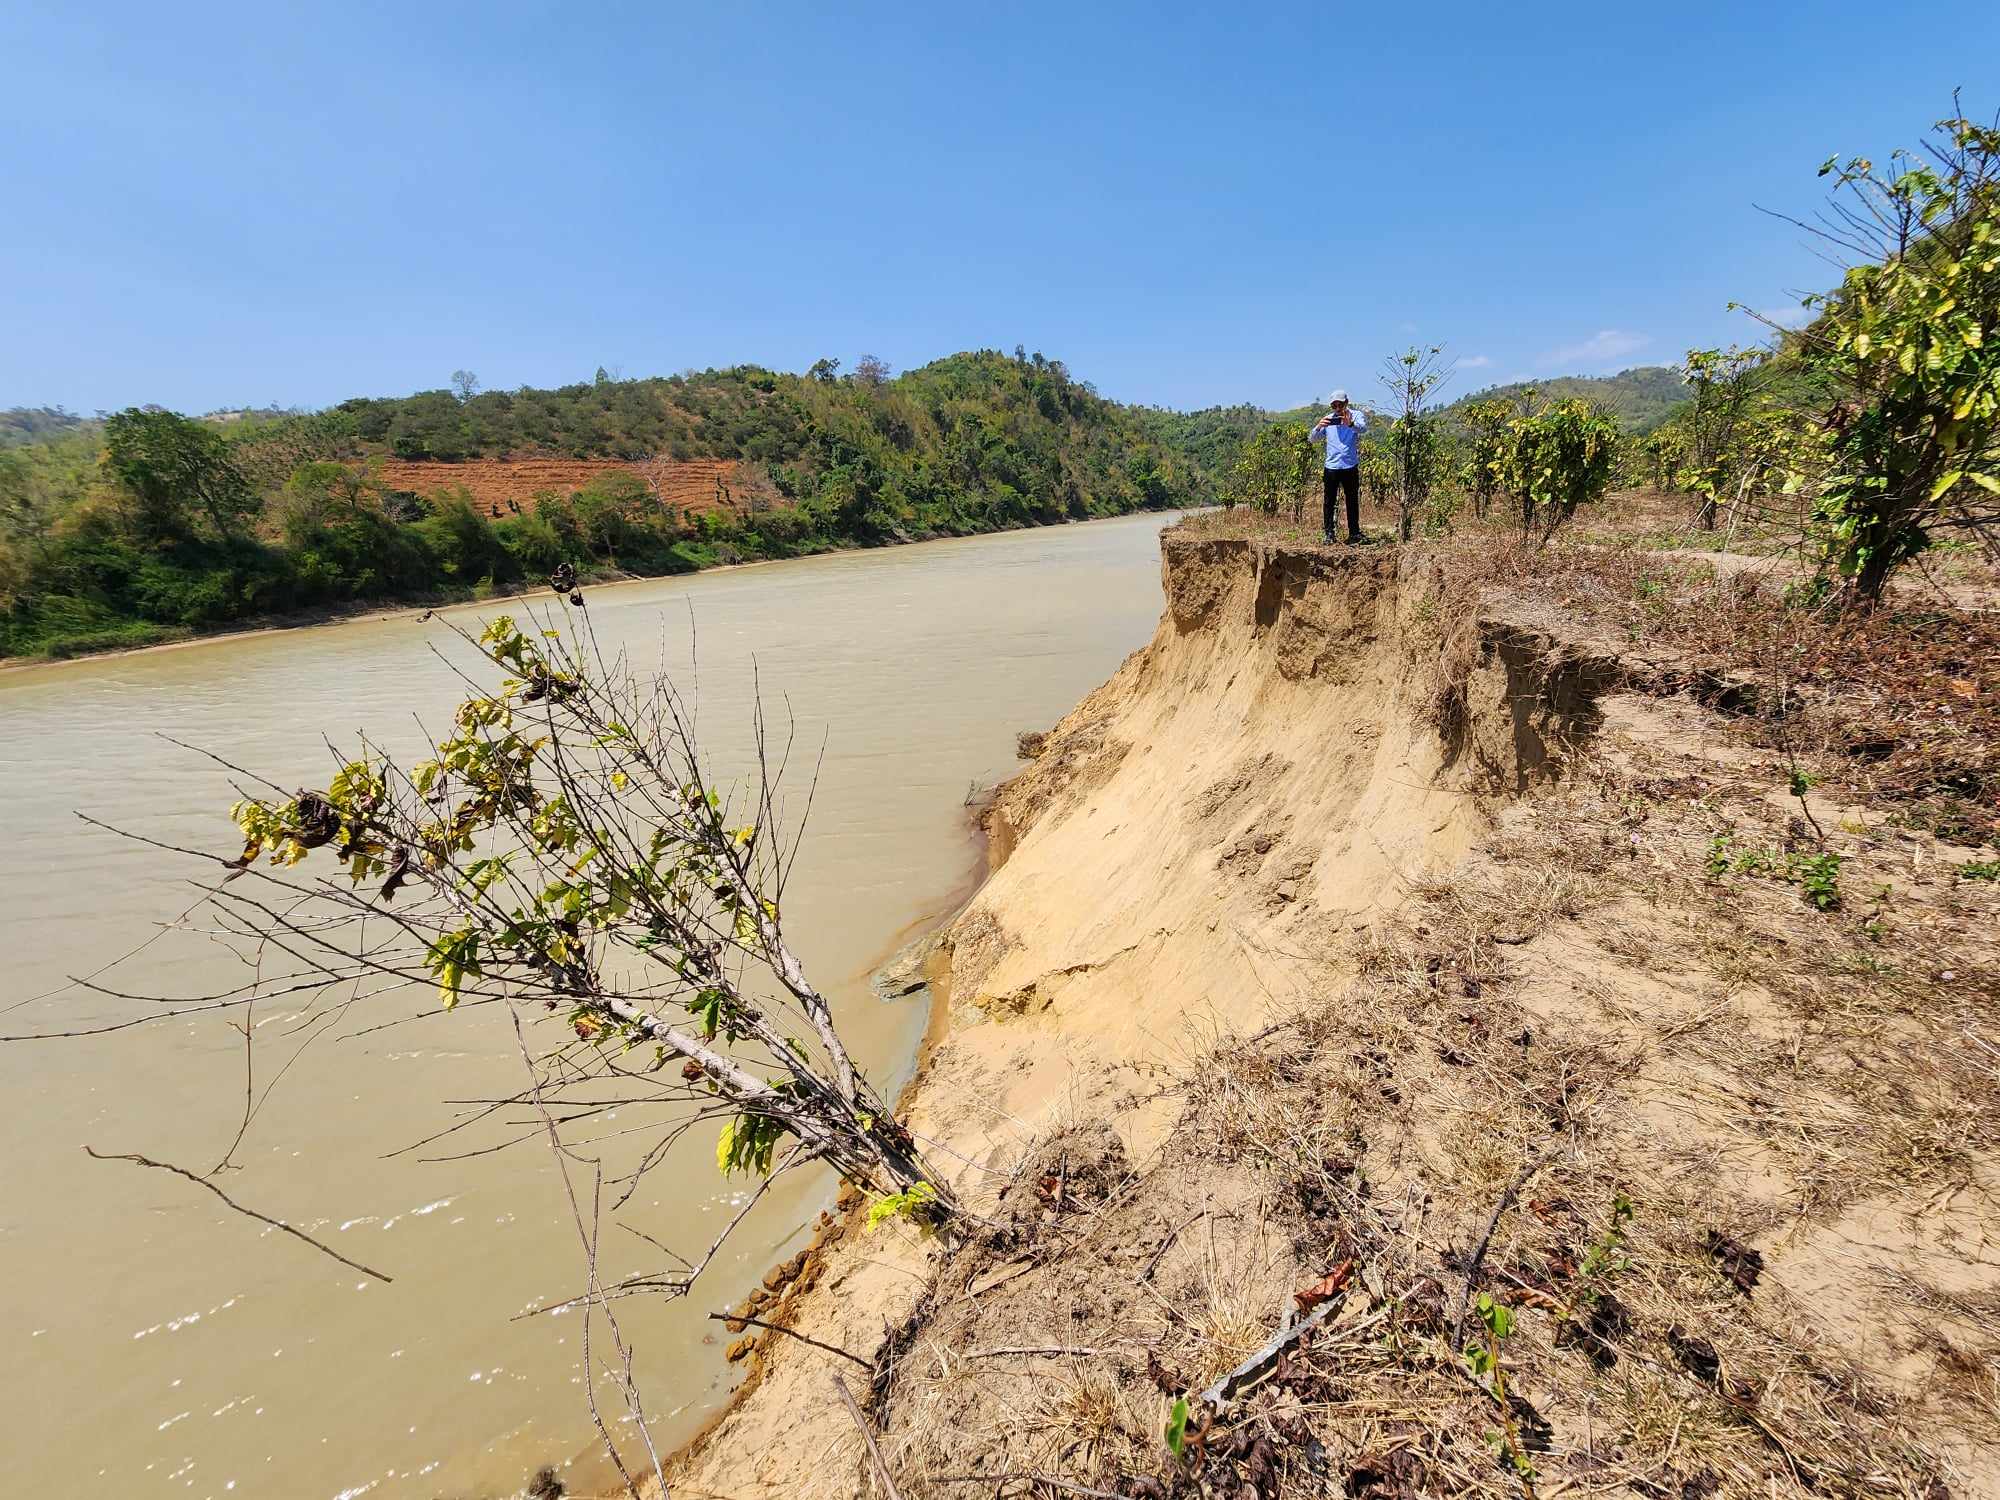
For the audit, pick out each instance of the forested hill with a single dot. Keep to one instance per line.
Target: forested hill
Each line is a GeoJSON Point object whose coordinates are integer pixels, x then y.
{"type": "Point", "coordinates": [1640, 398]}
{"type": "Point", "coordinates": [35, 424]}
{"type": "Point", "coordinates": [152, 524]}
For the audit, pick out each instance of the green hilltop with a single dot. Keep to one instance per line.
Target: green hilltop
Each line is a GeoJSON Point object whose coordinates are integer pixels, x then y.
{"type": "Point", "coordinates": [1640, 398]}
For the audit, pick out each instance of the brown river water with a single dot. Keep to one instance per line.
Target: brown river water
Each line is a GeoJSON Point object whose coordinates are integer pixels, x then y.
{"type": "Point", "coordinates": [157, 1344]}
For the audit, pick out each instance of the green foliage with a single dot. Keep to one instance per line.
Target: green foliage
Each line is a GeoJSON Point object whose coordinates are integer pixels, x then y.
{"type": "Point", "coordinates": [1487, 1361]}
{"type": "Point", "coordinates": [37, 424]}
{"type": "Point", "coordinates": [1724, 383]}
{"type": "Point", "coordinates": [191, 523]}
{"type": "Point", "coordinates": [1665, 452]}
{"type": "Point", "coordinates": [1988, 869]}
{"type": "Point", "coordinates": [1488, 426]}
{"type": "Point", "coordinates": [1177, 1425]}
{"type": "Point", "coordinates": [1560, 459]}
{"type": "Point", "coordinates": [176, 472]}
{"type": "Point", "coordinates": [1379, 475]}
{"type": "Point", "coordinates": [747, 1143]}
{"type": "Point", "coordinates": [1907, 348]}
{"type": "Point", "coordinates": [914, 1203]}
{"type": "Point", "coordinates": [551, 856]}
{"type": "Point", "coordinates": [1637, 400]}
{"type": "Point", "coordinates": [1207, 442]}
{"type": "Point", "coordinates": [1497, 1318]}
{"type": "Point", "coordinates": [1816, 875]}
{"type": "Point", "coordinates": [1276, 471]}
{"type": "Point", "coordinates": [1605, 1255]}
{"type": "Point", "coordinates": [1417, 444]}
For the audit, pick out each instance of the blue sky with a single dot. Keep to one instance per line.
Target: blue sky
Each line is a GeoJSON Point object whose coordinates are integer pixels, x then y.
{"type": "Point", "coordinates": [210, 206]}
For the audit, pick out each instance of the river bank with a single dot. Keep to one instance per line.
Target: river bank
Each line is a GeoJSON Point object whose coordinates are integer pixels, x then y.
{"type": "Point", "coordinates": [348, 614]}
{"type": "Point", "coordinates": [1350, 916]}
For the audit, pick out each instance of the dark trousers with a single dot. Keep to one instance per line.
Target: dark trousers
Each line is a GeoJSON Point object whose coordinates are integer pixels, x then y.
{"type": "Point", "coordinates": [1339, 481]}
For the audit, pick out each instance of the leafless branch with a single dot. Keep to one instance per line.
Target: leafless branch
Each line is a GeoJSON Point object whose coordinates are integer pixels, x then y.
{"type": "Point", "coordinates": [249, 1213]}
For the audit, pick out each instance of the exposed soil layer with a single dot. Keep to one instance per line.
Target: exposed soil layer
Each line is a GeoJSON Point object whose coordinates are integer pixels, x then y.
{"type": "Point", "coordinates": [501, 485]}
{"type": "Point", "coordinates": [1310, 989]}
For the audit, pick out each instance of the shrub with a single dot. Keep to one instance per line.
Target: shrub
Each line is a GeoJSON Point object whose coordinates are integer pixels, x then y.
{"type": "Point", "coordinates": [1562, 458]}
{"type": "Point", "coordinates": [461, 541]}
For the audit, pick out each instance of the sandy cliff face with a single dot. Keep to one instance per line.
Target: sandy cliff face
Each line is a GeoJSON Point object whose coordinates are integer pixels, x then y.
{"type": "Point", "coordinates": [1257, 780]}
{"type": "Point", "coordinates": [1189, 850]}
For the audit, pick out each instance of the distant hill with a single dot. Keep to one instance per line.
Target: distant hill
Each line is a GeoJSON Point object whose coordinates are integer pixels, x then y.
{"type": "Point", "coordinates": [37, 424]}
{"type": "Point", "coordinates": [1640, 398]}
{"type": "Point", "coordinates": [1207, 440]}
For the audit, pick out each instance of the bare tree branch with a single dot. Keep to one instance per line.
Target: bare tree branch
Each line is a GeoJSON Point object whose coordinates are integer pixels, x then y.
{"type": "Point", "coordinates": [250, 1213]}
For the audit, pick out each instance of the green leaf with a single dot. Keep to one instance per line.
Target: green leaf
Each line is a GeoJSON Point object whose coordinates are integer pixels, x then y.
{"type": "Point", "coordinates": [910, 1203]}
{"type": "Point", "coordinates": [1177, 1421]}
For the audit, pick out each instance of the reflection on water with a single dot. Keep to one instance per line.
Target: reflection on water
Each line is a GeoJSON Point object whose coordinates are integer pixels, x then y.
{"type": "Point", "coordinates": [156, 1343]}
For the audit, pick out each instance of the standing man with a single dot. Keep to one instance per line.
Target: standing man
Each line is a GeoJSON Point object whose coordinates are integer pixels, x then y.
{"type": "Point", "coordinates": [1339, 431]}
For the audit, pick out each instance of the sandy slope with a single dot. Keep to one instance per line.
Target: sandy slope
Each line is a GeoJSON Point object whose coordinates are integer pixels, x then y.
{"type": "Point", "coordinates": [1257, 887]}
{"type": "Point", "coordinates": [1245, 789]}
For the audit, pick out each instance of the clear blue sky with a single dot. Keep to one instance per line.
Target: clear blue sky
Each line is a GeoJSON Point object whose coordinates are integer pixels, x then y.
{"type": "Point", "coordinates": [1190, 204]}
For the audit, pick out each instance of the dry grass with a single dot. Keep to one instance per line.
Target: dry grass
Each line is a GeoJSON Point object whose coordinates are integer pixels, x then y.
{"type": "Point", "coordinates": [1895, 706]}
{"type": "Point", "coordinates": [1583, 995]}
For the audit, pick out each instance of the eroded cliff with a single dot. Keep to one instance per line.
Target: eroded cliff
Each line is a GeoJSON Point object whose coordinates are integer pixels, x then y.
{"type": "Point", "coordinates": [1326, 932]}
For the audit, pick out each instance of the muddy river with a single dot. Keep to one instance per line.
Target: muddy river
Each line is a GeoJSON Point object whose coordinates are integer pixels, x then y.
{"type": "Point", "coordinates": [156, 1343]}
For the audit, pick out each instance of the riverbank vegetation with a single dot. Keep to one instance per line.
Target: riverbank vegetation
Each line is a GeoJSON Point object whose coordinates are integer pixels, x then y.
{"type": "Point", "coordinates": [149, 524]}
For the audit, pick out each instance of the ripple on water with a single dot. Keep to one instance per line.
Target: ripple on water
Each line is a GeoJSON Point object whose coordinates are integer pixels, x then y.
{"type": "Point", "coordinates": [175, 1325]}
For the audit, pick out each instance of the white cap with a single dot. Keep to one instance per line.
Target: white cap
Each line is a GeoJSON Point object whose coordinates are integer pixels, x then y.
{"type": "Point", "coordinates": [1336, 398]}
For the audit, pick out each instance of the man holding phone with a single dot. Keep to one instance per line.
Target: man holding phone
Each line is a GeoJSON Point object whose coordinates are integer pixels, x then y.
{"type": "Point", "coordinates": [1339, 432]}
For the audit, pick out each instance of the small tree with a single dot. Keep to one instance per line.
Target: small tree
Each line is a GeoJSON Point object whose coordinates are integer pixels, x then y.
{"type": "Point", "coordinates": [1277, 469]}
{"type": "Point", "coordinates": [1415, 443]}
{"type": "Point", "coordinates": [1665, 450]}
{"type": "Point", "coordinates": [465, 383]}
{"type": "Point", "coordinates": [1488, 426]}
{"type": "Point", "coordinates": [1561, 459]}
{"type": "Point", "coordinates": [1378, 478]}
{"type": "Point", "coordinates": [1910, 347]}
{"type": "Point", "coordinates": [177, 471]}
{"type": "Point", "coordinates": [562, 850]}
{"type": "Point", "coordinates": [318, 492]}
{"type": "Point", "coordinates": [871, 372]}
{"type": "Point", "coordinates": [1724, 385]}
